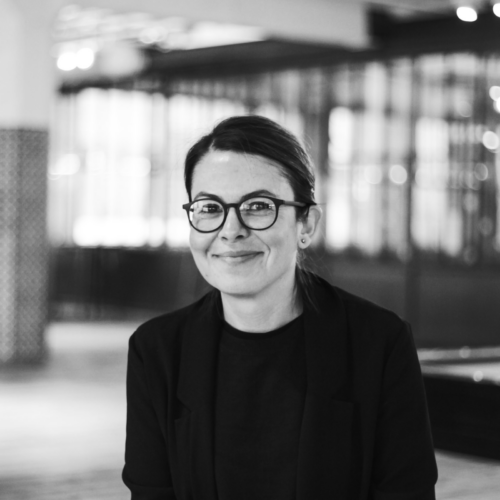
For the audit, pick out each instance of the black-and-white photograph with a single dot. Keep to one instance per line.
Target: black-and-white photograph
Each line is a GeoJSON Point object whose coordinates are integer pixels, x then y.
{"type": "Point", "coordinates": [249, 250]}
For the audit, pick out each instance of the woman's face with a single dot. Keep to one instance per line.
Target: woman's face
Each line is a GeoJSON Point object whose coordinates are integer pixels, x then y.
{"type": "Point", "coordinates": [234, 259]}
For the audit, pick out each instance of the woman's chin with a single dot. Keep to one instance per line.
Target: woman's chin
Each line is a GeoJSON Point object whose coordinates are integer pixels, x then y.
{"type": "Point", "coordinates": [236, 285]}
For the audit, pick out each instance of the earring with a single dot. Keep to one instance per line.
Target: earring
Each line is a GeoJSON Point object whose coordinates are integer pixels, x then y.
{"type": "Point", "coordinates": [303, 240]}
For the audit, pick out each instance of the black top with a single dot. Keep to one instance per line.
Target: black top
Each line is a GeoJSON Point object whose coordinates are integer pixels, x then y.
{"type": "Point", "coordinates": [261, 385]}
{"type": "Point", "coordinates": [365, 430]}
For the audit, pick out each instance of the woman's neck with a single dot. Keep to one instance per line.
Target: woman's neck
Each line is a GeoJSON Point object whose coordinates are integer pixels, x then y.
{"type": "Point", "coordinates": [262, 313]}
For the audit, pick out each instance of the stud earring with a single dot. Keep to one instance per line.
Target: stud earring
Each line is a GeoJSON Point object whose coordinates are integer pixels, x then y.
{"type": "Point", "coordinates": [303, 240]}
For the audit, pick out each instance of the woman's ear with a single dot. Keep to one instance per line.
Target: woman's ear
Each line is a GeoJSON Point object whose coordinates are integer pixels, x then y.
{"type": "Point", "coordinates": [309, 226]}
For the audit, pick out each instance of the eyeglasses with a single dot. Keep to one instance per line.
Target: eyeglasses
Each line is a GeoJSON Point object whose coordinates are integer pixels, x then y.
{"type": "Point", "coordinates": [257, 213]}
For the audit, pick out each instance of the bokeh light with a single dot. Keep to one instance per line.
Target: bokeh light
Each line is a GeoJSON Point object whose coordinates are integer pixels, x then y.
{"type": "Point", "coordinates": [467, 14]}
{"type": "Point", "coordinates": [85, 58]}
{"type": "Point", "coordinates": [68, 164]}
{"type": "Point", "coordinates": [67, 61]}
{"type": "Point", "coordinates": [494, 92]}
{"type": "Point", "coordinates": [490, 140]}
{"type": "Point", "coordinates": [373, 174]}
{"type": "Point", "coordinates": [481, 172]}
{"type": "Point", "coordinates": [398, 174]}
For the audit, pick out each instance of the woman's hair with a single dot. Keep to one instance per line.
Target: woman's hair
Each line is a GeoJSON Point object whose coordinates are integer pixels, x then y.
{"type": "Point", "coordinates": [260, 136]}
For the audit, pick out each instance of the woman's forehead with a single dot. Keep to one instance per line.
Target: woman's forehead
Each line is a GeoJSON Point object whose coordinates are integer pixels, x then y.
{"type": "Point", "coordinates": [236, 173]}
{"type": "Point", "coordinates": [244, 161]}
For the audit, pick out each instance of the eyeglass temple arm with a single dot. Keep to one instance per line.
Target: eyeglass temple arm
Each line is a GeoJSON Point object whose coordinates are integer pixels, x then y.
{"type": "Point", "coordinates": [297, 203]}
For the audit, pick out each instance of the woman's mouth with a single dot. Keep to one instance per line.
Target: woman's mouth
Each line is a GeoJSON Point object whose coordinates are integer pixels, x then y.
{"type": "Point", "coordinates": [236, 257]}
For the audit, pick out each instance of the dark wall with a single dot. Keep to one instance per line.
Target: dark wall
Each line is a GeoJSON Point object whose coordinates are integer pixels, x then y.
{"type": "Point", "coordinates": [112, 283]}
{"type": "Point", "coordinates": [464, 415]}
{"type": "Point", "coordinates": [448, 307]}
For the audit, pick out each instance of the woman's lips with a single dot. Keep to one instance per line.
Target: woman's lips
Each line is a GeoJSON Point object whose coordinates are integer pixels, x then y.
{"type": "Point", "coordinates": [233, 257]}
{"type": "Point", "coordinates": [234, 253]}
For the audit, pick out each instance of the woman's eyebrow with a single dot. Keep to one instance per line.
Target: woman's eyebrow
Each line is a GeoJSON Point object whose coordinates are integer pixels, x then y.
{"type": "Point", "coordinates": [205, 195]}
{"type": "Point", "coordinates": [258, 192]}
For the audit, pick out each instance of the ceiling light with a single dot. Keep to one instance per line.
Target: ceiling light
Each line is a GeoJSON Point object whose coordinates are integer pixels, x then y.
{"type": "Point", "coordinates": [467, 14]}
{"type": "Point", "coordinates": [85, 58]}
{"type": "Point", "coordinates": [67, 61]}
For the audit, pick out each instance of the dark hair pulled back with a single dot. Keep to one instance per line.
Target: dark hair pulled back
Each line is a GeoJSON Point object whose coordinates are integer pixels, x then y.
{"type": "Point", "coordinates": [260, 136]}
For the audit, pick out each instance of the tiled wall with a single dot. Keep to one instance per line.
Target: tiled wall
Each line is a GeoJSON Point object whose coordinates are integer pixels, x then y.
{"type": "Point", "coordinates": [23, 245]}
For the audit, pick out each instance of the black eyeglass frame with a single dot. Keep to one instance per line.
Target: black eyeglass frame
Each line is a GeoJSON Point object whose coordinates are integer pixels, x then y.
{"type": "Point", "coordinates": [226, 206]}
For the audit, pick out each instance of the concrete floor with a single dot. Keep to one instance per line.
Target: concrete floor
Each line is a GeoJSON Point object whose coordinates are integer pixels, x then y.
{"type": "Point", "coordinates": [62, 426]}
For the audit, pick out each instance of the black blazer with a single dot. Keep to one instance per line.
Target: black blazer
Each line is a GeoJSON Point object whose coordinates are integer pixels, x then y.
{"type": "Point", "coordinates": [365, 430]}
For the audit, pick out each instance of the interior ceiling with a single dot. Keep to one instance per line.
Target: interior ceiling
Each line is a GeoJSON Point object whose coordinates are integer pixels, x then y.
{"type": "Point", "coordinates": [415, 9]}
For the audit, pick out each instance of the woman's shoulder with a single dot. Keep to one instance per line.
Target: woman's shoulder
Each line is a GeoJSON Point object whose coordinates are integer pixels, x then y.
{"type": "Point", "coordinates": [374, 332]}
{"type": "Point", "coordinates": [166, 328]}
{"type": "Point", "coordinates": [357, 306]}
{"type": "Point", "coordinates": [364, 316]}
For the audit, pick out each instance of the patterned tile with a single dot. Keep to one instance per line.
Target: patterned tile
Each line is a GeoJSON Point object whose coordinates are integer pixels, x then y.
{"type": "Point", "coordinates": [23, 247]}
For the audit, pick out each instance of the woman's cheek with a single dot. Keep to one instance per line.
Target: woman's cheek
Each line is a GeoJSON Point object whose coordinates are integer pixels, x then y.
{"type": "Point", "coordinates": [199, 242]}
{"type": "Point", "coordinates": [199, 248]}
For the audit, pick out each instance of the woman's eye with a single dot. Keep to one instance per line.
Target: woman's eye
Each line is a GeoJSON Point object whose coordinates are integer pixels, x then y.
{"type": "Point", "coordinates": [257, 206]}
{"type": "Point", "coordinates": [211, 208]}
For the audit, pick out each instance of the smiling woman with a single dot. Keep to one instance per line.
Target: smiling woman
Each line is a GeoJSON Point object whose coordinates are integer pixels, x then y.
{"type": "Point", "coordinates": [248, 255]}
{"type": "Point", "coordinates": [276, 385]}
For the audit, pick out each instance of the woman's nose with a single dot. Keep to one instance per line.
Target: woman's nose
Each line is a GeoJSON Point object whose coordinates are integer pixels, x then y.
{"type": "Point", "coordinates": [232, 228]}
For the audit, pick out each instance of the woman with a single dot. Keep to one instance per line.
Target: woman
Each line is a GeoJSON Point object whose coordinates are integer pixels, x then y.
{"type": "Point", "coordinates": [276, 385]}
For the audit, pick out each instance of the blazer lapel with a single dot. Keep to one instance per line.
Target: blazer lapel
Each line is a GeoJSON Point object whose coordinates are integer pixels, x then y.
{"type": "Point", "coordinates": [324, 460]}
{"type": "Point", "coordinates": [196, 388]}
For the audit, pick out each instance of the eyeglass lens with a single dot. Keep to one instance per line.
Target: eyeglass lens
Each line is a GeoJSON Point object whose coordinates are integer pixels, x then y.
{"type": "Point", "coordinates": [256, 213]}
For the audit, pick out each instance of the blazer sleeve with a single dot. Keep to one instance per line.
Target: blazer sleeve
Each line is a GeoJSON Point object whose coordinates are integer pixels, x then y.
{"type": "Point", "coordinates": [146, 472]}
{"type": "Point", "coordinates": [405, 465]}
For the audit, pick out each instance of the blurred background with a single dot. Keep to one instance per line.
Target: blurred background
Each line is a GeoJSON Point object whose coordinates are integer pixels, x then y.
{"type": "Point", "coordinates": [398, 103]}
